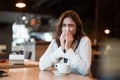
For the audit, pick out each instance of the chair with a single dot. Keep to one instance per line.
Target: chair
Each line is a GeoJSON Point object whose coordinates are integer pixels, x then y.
{"type": "Point", "coordinates": [28, 55]}
{"type": "Point", "coordinates": [95, 68]}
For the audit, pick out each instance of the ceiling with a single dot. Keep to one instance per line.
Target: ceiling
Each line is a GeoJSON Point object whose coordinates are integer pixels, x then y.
{"type": "Point", "coordinates": [47, 8]}
{"type": "Point", "coordinates": [52, 7]}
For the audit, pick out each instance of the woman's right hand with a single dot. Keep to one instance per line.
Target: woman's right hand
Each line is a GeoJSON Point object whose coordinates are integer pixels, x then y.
{"type": "Point", "coordinates": [62, 40]}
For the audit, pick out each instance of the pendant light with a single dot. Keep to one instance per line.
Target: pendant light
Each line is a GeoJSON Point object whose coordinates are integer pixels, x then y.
{"type": "Point", "coordinates": [20, 4]}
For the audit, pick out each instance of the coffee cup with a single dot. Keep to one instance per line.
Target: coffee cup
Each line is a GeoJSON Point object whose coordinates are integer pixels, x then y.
{"type": "Point", "coordinates": [64, 60]}
{"type": "Point", "coordinates": [62, 67]}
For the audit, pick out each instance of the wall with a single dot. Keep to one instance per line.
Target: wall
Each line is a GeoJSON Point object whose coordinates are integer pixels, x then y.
{"type": "Point", "coordinates": [6, 35]}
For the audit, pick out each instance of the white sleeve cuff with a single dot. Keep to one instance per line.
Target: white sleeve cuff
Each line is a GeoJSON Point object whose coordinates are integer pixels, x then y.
{"type": "Point", "coordinates": [69, 54]}
{"type": "Point", "coordinates": [57, 54]}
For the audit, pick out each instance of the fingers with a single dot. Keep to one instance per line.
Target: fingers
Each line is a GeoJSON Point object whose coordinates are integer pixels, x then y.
{"type": "Point", "coordinates": [66, 39]}
{"type": "Point", "coordinates": [69, 35]}
{"type": "Point", "coordinates": [69, 40]}
{"type": "Point", "coordinates": [62, 40]}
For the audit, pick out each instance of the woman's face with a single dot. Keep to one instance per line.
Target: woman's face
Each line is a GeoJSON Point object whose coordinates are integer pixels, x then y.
{"type": "Point", "coordinates": [69, 24]}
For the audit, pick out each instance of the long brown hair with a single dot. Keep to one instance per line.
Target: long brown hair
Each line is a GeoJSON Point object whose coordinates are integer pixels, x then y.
{"type": "Point", "coordinates": [73, 15]}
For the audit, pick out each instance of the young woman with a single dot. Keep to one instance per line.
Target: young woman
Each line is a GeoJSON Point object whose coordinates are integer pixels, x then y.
{"type": "Point", "coordinates": [69, 42]}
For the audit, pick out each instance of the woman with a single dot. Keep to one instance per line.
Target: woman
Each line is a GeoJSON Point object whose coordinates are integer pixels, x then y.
{"type": "Point", "coordinates": [69, 42]}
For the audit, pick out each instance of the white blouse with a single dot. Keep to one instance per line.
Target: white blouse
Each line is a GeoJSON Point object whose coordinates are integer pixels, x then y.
{"type": "Point", "coordinates": [80, 59]}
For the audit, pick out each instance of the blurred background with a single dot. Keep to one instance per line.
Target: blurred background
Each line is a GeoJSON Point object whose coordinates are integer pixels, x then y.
{"type": "Point", "coordinates": [33, 24]}
{"type": "Point", "coordinates": [38, 18]}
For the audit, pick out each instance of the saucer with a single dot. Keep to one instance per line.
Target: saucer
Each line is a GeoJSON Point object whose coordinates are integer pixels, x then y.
{"type": "Point", "coordinates": [59, 74]}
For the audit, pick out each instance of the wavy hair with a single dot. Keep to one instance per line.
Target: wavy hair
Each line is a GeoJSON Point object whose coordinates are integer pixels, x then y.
{"type": "Point", "coordinates": [74, 16]}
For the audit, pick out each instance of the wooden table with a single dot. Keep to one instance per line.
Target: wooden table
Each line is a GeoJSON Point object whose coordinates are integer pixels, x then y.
{"type": "Point", "coordinates": [34, 73]}
{"type": "Point", "coordinates": [27, 63]}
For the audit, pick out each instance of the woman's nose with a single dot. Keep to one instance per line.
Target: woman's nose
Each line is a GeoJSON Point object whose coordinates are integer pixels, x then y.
{"type": "Point", "coordinates": [67, 28]}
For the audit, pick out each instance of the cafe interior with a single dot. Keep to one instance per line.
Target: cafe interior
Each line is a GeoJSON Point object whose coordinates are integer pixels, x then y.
{"type": "Point", "coordinates": [29, 28]}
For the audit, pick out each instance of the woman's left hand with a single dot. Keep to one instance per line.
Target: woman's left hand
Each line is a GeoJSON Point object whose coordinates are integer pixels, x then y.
{"type": "Point", "coordinates": [69, 40]}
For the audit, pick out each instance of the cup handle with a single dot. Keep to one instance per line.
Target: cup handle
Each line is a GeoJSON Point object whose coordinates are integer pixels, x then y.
{"type": "Point", "coordinates": [55, 66]}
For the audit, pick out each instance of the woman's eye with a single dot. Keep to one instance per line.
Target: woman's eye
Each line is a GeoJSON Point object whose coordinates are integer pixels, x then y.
{"type": "Point", "coordinates": [63, 25]}
{"type": "Point", "coordinates": [71, 25]}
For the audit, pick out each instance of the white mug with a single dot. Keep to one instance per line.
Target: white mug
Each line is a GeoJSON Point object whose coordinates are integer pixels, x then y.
{"type": "Point", "coordinates": [64, 60]}
{"type": "Point", "coordinates": [62, 67]}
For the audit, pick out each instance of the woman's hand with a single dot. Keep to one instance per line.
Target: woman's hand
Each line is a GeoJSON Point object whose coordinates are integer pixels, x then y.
{"type": "Point", "coordinates": [62, 40]}
{"type": "Point", "coordinates": [69, 40]}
